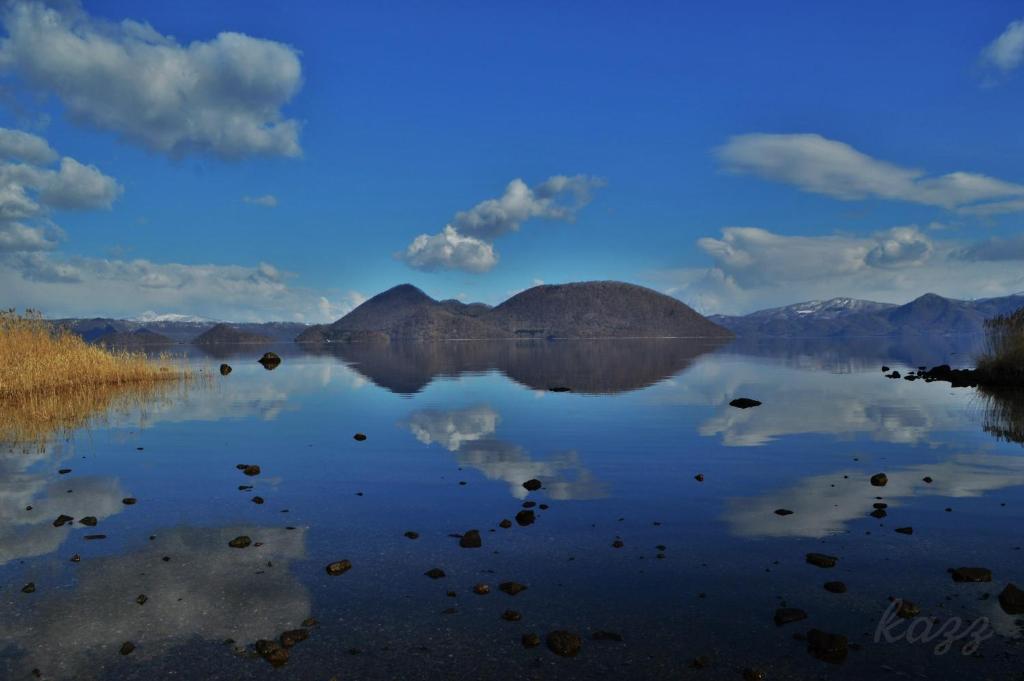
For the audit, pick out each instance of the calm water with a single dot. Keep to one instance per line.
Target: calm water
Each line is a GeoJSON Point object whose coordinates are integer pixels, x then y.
{"type": "Point", "coordinates": [453, 432]}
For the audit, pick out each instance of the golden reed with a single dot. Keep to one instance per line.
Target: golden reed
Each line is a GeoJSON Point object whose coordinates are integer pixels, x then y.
{"type": "Point", "coordinates": [52, 381]}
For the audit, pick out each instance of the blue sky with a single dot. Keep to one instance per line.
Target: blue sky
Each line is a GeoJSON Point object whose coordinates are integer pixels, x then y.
{"type": "Point", "coordinates": [734, 156]}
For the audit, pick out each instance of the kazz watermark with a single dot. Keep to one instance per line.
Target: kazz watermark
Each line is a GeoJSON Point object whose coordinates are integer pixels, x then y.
{"type": "Point", "coordinates": [896, 626]}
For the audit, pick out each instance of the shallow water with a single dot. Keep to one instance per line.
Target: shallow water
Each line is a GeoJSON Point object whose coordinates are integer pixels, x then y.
{"type": "Point", "coordinates": [617, 455]}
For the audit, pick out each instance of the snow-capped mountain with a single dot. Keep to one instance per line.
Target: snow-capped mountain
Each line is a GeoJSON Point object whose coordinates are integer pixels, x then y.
{"type": "Point", "coordinates": [928, 314]}
{"type": "Point", "coordinates": [149, 317]}
{"type": "Point", "coordinates": [822, 309]}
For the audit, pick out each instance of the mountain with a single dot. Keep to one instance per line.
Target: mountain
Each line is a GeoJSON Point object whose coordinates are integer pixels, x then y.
{"type": "Point", "coordinates": [177, 330]}
{"type": "Point", "coordinates": [149, 317]}
{"type": "Point", "coordinates": [598, 309]}
{"type": "Point", "coordinates": [225, 334]}
{"type": "Point", "coordinates": [140, 338]}
{"type": "Point", "coordinates": [930, 314]}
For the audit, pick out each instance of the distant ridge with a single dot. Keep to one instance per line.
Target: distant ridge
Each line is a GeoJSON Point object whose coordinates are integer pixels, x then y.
{"type": "Point", "coordinates": [929, 314]}
{"type": "Point", "coordinates": [225, 334]}
{"type": "Point", "coordinates": [140, 338]}
{"type": "Point", "coordinates": [597, 309]}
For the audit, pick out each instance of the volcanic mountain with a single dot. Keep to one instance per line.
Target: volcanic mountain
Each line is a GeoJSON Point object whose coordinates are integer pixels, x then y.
{"type": "Point", "coordinates": [598, 309]}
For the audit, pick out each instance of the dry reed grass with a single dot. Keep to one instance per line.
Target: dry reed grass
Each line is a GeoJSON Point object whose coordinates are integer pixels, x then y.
{"type": "Point", "coordinates": [52, 381]}
{"type": "Point", "coordinates": [1005, 344]}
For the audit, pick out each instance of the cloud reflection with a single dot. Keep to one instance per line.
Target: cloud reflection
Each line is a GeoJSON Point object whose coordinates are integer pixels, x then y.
{"type": "Point", "coordinates": [821, 509]}
{"type": "Point", "coordinates": [207, 590]}
{"type": "Point", "coordinates": [467, 433]}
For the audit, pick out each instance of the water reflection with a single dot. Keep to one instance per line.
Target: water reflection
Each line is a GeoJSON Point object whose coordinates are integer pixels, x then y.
{"type": "Point", "coordinates": [468, 433]}
{"type": "Point", "coordinates": [29, 502]}
{"type": "Point", "coordinates": [824, 504]}
{"type": "Point", "coordinates": [585, 366]}
{"type": "Point", "coordinates": [863, 353]}
{"type": "Point", "coordinates": [801, 402]}
{"type": "Point", "coordinates": [205, 590]}
{"type": "Point", "coordinates": [1003, 413]}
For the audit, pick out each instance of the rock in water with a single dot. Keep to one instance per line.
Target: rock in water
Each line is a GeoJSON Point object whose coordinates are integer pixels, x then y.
{"type": "Point", "coordinates": [744, 403]}
{"type": "Point", "coordinates": [359, 437]}
{"type": "Point", "coordinates": [1012, 600]}
{"type": "Point", "coordinates": [127, 647]}
{"type": "Point", "coordinates": [434, 573]}
{"type": "Point", "coordinates": [269, 360]}
{"type": "Point", "coordinates": [225, 369]}
{"type": "Point", "coordinates": [272, 652]}
{"type": "Point", "coordinates": [512, 588]}
{"type": "Point", "coordinates": [240, 542]}
{"type": "Point", "coordinates": [789, 615]}
{"type": "Point", "coordinates": [293, 636]}
{"type": "Point", "coordinates": [822, 560]}
{"type": "Point", "coordinates": [908, 610]}
{"type": "Point", "coordinates": [29, 588]}
{"type": "Point", "coordinates": [471, 540]}
{"type": "Point", "coordinates": [971, 574]}
{"type": "Point", "coordinates": [879, 480]}
{"type": "Point", "coordinates": [532, 485]}
{"type": "Point", "coordinates": [530, 640]}
{"type": "Point", "coordinates": [835, 587]}
{"type": "Point", "coordinates": [338, 567]}
{"type": "Point", "coordinates": [525, 518]}
{"type": "Point", "coordinates": [827, 647]}
{"type": "Point", "coordinates": [564, 643]}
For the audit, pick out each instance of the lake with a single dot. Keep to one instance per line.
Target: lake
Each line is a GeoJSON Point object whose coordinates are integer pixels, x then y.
{"type": "Point", "coordinates": [627, 542]}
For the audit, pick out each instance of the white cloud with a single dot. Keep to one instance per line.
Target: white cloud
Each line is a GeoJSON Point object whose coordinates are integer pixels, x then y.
{"type": "Point", "coordinates": [331, 310]}
{"type": "Point", "coordinates": [467, 242]}
{"type": "Point", "coordinates": [15, 236]}
{"type": "Point", "coordinates": [900, 247]}
{"type": "Point", "coordinates": [222, 96]}
{"type": "Point", "coordinates": [754, 268]}
{"type": "Point", "coordinates": [823, 166]}
{"type": "Point", "coordinates": [450, 250]}
{"type": "Point", "coordinates": [16, 145]}
{"type": "Point", "coordinates": [267, 200]}
{"type": "Point", "coordinates": [80, 286]}
{"type": "Point", "coordinates": [29, 190]}
{"type": "Point", "coordinates": [1007, 51]}
{"type": "Point", "coordinates": [77, 187]}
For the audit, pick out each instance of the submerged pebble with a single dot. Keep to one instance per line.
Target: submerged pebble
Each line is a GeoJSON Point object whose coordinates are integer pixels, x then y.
{"type": "Point", "coordinates": [971, 574]}
{"type": "Point", "coordinates": [822, 560]}
{"type": "Point", "coordinates": [564, 643]}
{"type": "Point", "coordinates": [338, 567]}
{"type": "Point", "coordinates": [471, 540]}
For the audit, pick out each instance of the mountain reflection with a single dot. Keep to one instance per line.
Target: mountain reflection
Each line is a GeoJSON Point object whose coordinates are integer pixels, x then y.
{"type": "Point", "coordinates": [468, 433]}
{"type": "Point", "coordinates": [585, 366]}
{"type": "Point", "coordinates": [823, 504]}
{"type": "Point", "coordinates": [206, 590]}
